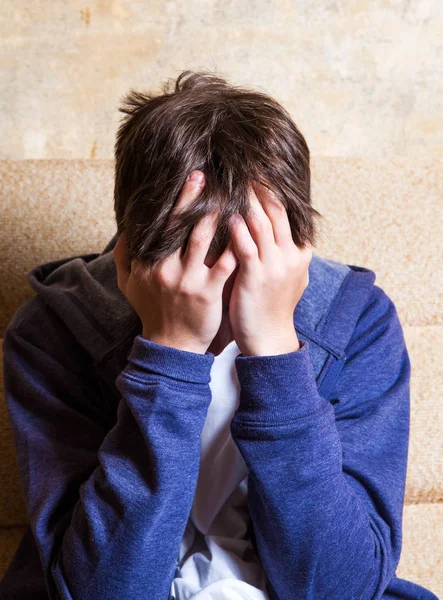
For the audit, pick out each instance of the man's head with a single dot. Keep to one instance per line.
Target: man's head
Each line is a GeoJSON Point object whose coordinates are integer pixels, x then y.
{"type": "Point", "coordinates": [234, 135]}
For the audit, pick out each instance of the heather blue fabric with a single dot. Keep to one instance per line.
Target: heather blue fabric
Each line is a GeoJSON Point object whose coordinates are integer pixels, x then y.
{"type": "Point", "coordinates": [106, 426]}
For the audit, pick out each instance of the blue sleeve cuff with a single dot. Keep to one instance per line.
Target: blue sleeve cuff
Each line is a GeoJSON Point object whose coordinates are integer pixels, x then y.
{"type": "Point", "coordinates": [277, 388]}
{"type": "Point", "coordinates": [147, 357]}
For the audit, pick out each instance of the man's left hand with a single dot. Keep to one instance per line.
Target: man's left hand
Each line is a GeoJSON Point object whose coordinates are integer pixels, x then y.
{"type": "Point", "coordinates": [272, 275]}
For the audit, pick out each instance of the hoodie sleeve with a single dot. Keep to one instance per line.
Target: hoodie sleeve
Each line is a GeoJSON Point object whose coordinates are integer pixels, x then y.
{"type": "Point", "coordinates": [108, 508]}
{"type": "Point", "coordinates": [326, 483]}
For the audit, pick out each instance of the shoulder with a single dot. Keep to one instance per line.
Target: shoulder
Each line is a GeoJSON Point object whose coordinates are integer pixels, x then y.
{"type": "Point", "coordinates": [25, 312]}
{"type": "Point", "coordinates": [378, 324]}
{"type": "Point", "coordinates": [375, 359]}
{"type": "Point", "coordinates": [346, 308]}
{"type": "Point", "coordinates": [333, 301]}
{"type": "Point", "coordinates": [36, 324]}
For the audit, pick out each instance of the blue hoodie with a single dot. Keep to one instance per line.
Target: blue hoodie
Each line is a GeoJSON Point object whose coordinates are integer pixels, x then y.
{"type": "Point", "coordinates": [107, 427]}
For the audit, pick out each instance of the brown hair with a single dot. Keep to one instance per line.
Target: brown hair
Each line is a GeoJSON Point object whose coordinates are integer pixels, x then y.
{"type": "Point", "coordinates": [233, 134]}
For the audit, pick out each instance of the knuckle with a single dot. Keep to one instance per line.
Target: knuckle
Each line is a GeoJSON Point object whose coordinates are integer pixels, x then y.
{"type": "Point", "coordinates": [263, 225]}
{"type": "Point", "coordinates": [162, 277]}
{"type": "Point", "coordinates": [185, 287]}
{"type": "Point", "coordinates": [224, 267]}
{"type": "Point", "coordinates": [197, 241]}
{"type": "Point", "coordinates": [277, 206]}
{"type": "Point", "coordinates": [250, 253]}
{"type": "Point", "coordinates": [189, 290]}
{"type": "Point", "coordinates": [203, 297]}
{"type": "Point", "coordinates": [259, 222]}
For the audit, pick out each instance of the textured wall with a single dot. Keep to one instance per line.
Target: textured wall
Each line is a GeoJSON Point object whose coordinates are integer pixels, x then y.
{"type": "Point", "coordinates": [360, 77]}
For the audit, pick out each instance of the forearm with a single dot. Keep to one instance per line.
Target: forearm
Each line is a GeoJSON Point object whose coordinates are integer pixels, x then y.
{"type": "Point", "coordinates": [313, 533]}
{"type": "Point", "coordinates": [325, 502]}
{"type": "Point", "coordinates": [149, 468]}
{"type": "Point", "coordinates": [108, 508]}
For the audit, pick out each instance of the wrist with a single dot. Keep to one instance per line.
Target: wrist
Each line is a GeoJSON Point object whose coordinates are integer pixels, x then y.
{"type": "Point", "coordinates": [274, 347]}
{"type": "Point", "coordinates": [163, 341]}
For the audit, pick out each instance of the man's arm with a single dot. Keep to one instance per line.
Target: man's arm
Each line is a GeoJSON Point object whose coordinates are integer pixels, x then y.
{"type": "Point", "coordinates": [108, 508]}
{"type": "Point", "coordinates": [326, 484]}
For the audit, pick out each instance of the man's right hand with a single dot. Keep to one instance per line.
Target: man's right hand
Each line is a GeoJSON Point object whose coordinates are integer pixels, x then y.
{"type": "Point", "coordinates": [180, 302]}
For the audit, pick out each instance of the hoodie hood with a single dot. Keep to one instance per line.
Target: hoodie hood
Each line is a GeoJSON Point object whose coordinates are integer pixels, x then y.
{"type": "Point", "coordinates": [83, 291]}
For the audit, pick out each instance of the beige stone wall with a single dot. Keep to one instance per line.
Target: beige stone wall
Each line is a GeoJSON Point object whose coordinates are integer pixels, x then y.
{"type": "Point", "coordinates": [360, 78]}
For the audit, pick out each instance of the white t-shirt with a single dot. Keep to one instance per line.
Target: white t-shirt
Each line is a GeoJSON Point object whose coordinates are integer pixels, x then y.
{"type": "Point", "coordinates": [217, 560]}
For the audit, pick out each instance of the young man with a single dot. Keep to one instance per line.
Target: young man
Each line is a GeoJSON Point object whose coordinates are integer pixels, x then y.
{"type": "Point", "coordinates": [208, 409]}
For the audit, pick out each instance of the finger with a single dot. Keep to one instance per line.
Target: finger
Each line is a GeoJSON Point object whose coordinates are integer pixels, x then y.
{"type": "Point", "coordinates": [191, 190]}
{"type": "Point", "coordinates": [200, 240]}
{"type": "Point", "coordinates": [243, 244]}
{"type": "Point", "coordinates": [121, 259]}
{"type": "Point", "coordinates": [260, 227]}
{"type": "Point", "coordinates": [224, 266]}
{"type": "Point", "coordinates": [276, 214]}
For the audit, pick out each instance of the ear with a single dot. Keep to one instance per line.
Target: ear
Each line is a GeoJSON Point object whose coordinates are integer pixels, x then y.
{"type": "Point", "coordinates": [122, 262]}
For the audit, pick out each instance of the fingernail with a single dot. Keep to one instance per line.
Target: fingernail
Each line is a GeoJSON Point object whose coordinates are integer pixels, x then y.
{"type": "Point", "coordinates": [196, 177]}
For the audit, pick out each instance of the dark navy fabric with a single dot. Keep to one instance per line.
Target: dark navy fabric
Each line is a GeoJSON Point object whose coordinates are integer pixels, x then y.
{"type": "Point", "coordinates": [108, 443]}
